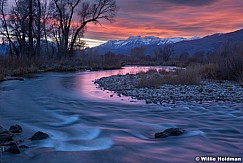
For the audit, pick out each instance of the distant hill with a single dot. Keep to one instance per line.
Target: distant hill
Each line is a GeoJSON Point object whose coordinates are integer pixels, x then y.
{"type": "Point", "coordinates": [125, 46]}
{"type": "Point", "coordinates": [192, 45]}
{"type": "Point", "coordinates": [208, 43]}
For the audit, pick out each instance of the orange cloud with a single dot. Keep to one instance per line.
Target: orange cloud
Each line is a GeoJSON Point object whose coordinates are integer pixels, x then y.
{"type": "Point", "coordinates": [164, 18]}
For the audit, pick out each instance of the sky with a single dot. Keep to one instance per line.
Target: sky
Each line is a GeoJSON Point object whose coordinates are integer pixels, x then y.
{"type": "Point", "coordinates": [168, 18]}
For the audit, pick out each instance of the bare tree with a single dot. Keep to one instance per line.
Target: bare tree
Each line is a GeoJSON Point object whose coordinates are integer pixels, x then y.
{"type": "Point", "coordinates": [69, 30]}
{"type": "Point", "coordinates": [30, 26]}
{"type": "Point", "coordinates": [44, 18]}
{"type": "Point", "coordinates": [138, 53]}
{"type": "Point", "coordinates": [31, 21]}
{"type": "Point", "coordinates": [19, 24]}
{"type": "Point", "coordinates": [4, 28]}
{"type": "Point", "coordinates": [163, 54]}
{"type": "Point", "coordinates": [23, 27]}
{"type": "Point", "coordinates": [38, 24]}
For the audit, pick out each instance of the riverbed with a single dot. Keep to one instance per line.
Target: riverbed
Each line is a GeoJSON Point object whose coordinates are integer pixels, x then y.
{"type": "Point", "coordinates": [86, 124]}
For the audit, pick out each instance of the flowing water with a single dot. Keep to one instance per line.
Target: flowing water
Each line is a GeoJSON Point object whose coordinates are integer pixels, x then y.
{"type": "Point", "coordinates": [86, 124]}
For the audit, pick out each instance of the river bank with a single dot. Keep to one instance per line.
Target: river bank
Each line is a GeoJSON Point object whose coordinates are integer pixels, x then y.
{"type": "Point", "coordinates": [207, 91]}
{"type": "Point", "coordinates": [18, 74]}
{"type": "Point", "coordinates": [11, 66]}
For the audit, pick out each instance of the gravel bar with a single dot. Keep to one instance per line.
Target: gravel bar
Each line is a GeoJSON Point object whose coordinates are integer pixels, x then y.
{"type": "Point", "coordinates": [207, 91]}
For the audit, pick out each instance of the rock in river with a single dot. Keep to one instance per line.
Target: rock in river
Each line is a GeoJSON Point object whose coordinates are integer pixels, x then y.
{"type": "Point", "coordinates": [170, 132]}
{"type": "Point", "coordinates": [5, 136]}
{"type": "Point", "coordinates": [13, 149]}
{"type": "Point", "coordinates": [16, 129]}
{"type": "Point", "coordinates": [39, 136]}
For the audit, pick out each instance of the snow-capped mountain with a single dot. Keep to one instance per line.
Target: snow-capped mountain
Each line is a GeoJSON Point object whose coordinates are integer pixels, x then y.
{"type": "Point", "coordinates": [180, 45]}
{"type": "Point", "coordinates": [125, 46]}
{"type": "Point", "coordinates": [138, 41]}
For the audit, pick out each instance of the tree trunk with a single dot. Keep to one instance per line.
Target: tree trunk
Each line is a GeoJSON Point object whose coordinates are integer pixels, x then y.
{"type": "Point", "coordinates": [73, 41]}
{"type": "Point", "coordinates": [38, 28]}
{"type": "Point", "coordinates": [30, 36]}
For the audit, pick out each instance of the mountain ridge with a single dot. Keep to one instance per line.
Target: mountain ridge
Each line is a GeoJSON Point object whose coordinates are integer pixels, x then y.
{"type": "Point", "coordinates": [191, 45]}
{"type": "Point", "coordinates": [138, 41]}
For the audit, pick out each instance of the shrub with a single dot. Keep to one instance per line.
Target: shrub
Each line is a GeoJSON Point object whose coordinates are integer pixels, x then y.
{"type": "Point", "coordinates": [149, 80]}
{"type": "Point", "coordinates": [190, 76]}
{"type": "Point", "coordinates": [231, 68]}
{"type": "Point", "coordinates": [209, 71]}
{"type": "Point", "coordinates": [230, 61]}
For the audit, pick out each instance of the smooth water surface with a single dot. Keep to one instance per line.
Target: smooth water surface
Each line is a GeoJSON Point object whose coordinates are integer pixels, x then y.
{"type": "Point", "coordinates": [86, 124]}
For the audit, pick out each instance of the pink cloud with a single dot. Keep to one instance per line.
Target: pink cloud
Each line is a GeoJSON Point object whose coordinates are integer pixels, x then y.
{"type": "Point", "coordinates": [170, 19]}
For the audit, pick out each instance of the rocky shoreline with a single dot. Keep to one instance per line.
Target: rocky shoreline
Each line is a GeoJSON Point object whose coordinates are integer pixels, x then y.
{"type": "Point", "coordinates": [207, 91]}
{"type": "Point", "coordinates": [9, 141]}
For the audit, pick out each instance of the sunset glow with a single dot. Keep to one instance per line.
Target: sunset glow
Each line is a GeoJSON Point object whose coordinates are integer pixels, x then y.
{"type": "Point", "coordinates": [170, 18]}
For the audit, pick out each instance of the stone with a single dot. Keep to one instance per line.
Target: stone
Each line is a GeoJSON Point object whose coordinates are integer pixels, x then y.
{"type": "Point", "coordinates": [170, 132]}
{"type": "Point", "coordinates": [126, 85]}
{"type": "Point", "coordinates": [16, 129]}
{"type": "Point", "coordinates": [148, 101]}
{"type": "Point", "coordinates": [5, 136]}
{"type": "Point", "coordinates": [39, 136]}
{"type": "Point", "coordinates": [13, 149]}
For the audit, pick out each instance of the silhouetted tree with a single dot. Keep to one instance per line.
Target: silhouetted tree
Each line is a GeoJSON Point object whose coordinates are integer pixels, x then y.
{"type": "Point", "coordinates": [64, 21]}
{"type": "Point", "coordinates": [30, 27]}
{"type": "Point", "coordinates": [163, 54]}
{"type": "Point", "coordinates": [22, 26]}
{"type": "Point", "coordinates": [4, 27]}
{"type": "Point", "coordinates": [66, 32]}
{"type": "Point", "coordinates": [138, 53]}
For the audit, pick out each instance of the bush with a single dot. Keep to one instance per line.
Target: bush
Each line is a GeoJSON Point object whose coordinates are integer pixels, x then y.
{"type": "Point", "coordinates": [209, 71]}
{"type": "Point", "coordinates": [190, 76]}
{"type": "Point", "coordinates": [14, 66]}
{"type": "Point", "coordinates": [231, 68]}
{"type": "Point", "coordinates": [227, 63]}
{"type": "Point", "coordinates": [149, 80]}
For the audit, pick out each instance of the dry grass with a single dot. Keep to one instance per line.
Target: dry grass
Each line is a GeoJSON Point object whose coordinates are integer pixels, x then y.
{"type": "Point", "coordinates": [209, 71]}
{"type": "Point", "coordinates": [230, 68]}
{"type": "Point", "coordinates": [190, 76]}
{"type": "Point", "coordinates": [154, 79]}
{"type": "Point", "coordinates": [12, 66]}
{"type": "Point", "coordinates": [149, 80]}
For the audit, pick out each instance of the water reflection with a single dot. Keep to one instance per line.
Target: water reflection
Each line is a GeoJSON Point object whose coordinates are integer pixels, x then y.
{"type": "Point", "coordinates": [84, 83]}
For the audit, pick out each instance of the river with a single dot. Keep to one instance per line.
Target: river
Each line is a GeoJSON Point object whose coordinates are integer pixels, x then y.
{"type": "Point", "coordinates": [86, 124]}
